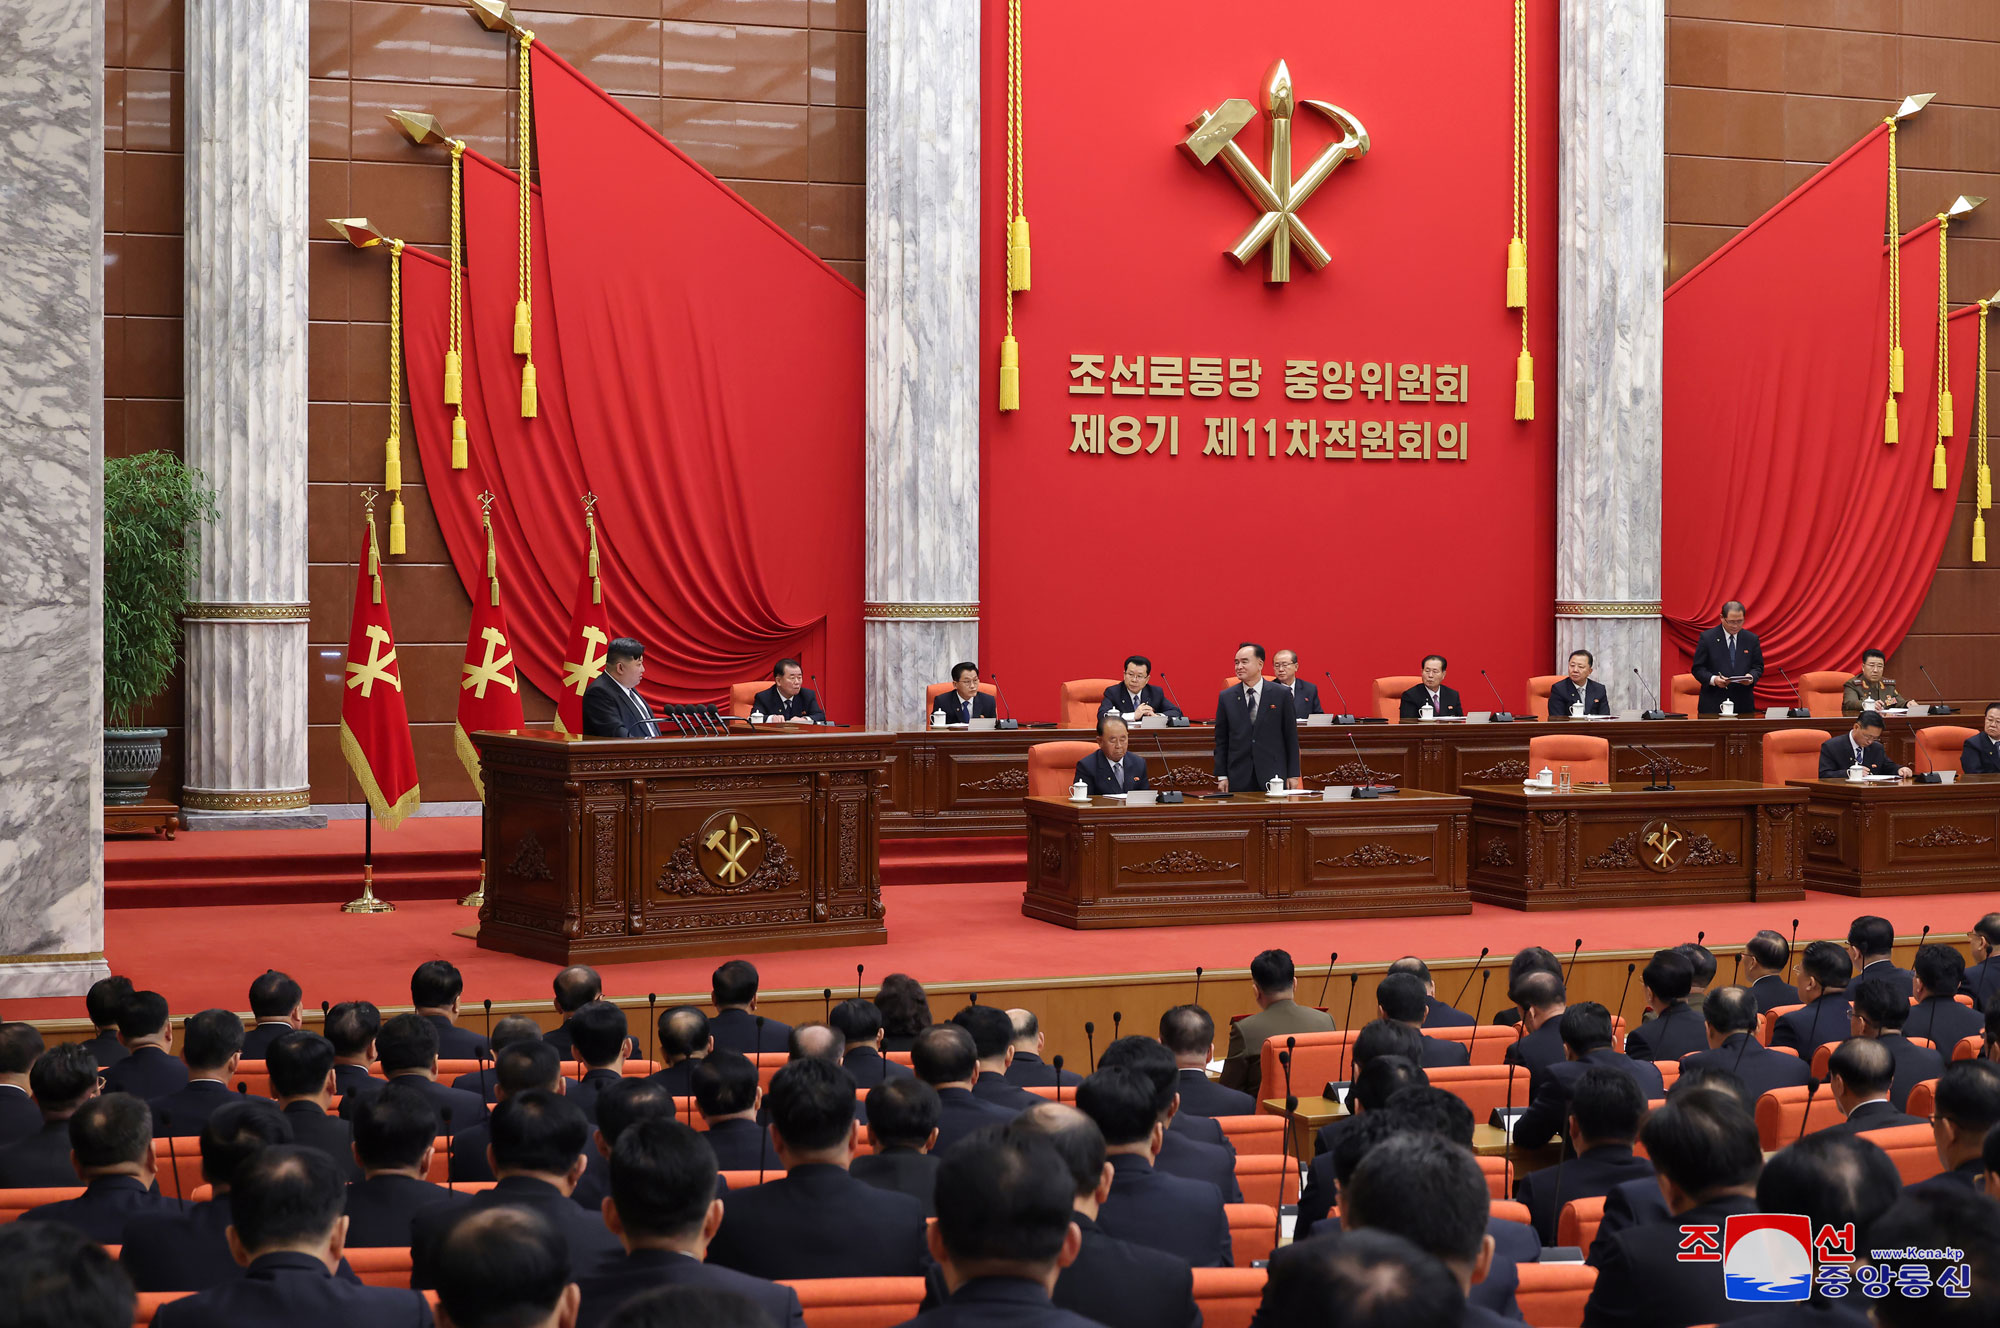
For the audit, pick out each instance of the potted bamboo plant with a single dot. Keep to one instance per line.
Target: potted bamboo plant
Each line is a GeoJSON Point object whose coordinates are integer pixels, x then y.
{"type": "Point", "coordinates": [153, 505]}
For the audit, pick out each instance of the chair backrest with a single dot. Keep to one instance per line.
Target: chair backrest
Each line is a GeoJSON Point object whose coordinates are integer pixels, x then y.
{"type": "Point", "coordinates": [1252, 1231]}
{"type": "Point", "coordinates": [386, 1266]}
{"type": "Point", "coordinates": [1669, 1071]}
{"type": "Point", "coordinates": [743, 1180]}
{"type": "Point", "coordinates": [1821, 689]}
{"type": "Point", "coordinates": [1942, 746]}
{"type": "Point", "coordinates": [1484, 1088]}
{"type": "Point", "coordinates": [1768, 1021]}
{"type": "Point", "coordinates": [741, 694]}
{"type": "Point", "coordinates": [1538, 693]}
{"type": "Point", "coordinates": [256, 1080]}
{"type": "Point", "coordinates": [1389, 694]}
{"type": "Point", "coordinates": [1228, 1297]}
{"type": "Point", "coordinates": [858, 1302]}
{"type": "Point", "coordinates": [1683, 694]}
{"type": "Point", "coordinates": [440, 1169]}
{"type": "Point", "coordinates": [1052, 767]}
{"type": "Point", "coordinates": [178, 1162]}
{"type": "Point", "coordinates": [1823, 1055]}
{"type": "Point", "coordinates": [1968, 1048]}
{"type": "Point", "coordinates": [937, 689]}
{"type": "Point", "coordinates": [1588, 758]}
{"type": "Point", "coordinates": [1911, 1147]}
{"type": "Point", "coordinates": [450, 1070]}
{"type": "Point", "coordinates": [1489, 1041]}
{"type": "Point", "coordinates": [1508, 1210]}
{"type": "Point", "coordinates": [1318, 1059]}
{"type": "Point", "coordinates": [1578, 1222]}
{"type": "Point", "coordinates": [900, 1057]}
{"type": "Point", "coordinates": [1923, 1098]}
{"type": "Point", "coordinates": [1499, 1173]}
{"type": "Point", "coordinates": [1792, 754]}
{"type": "Point", "coordinates": [1552, 1295]}
{"type": "Point", "coordinates": [1781, 1112]}
{"type": "Point", "coordinates": [1251, 1134]}
{"type": "Point", "coordinates": [1230, 681]}
{"type": "Point", "coordinates": [1263, 1176]}
{"type": "Point", "coordinates": [1078, 700]}
{"type": "Point", "coordinates": [631, 1069]}
{"type": "Point", "coordinates": [13, 1203]}
{"type": "Point", "coordinates": [149, 1303]}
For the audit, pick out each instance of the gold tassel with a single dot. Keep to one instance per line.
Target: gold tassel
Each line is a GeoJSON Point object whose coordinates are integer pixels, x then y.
{"type": "Point", "coordinates": [1978, 538]}
{"type": "Point", "coordinates": [392, 467]}
{"type": "Point", "coordinates": [458, 446]}
{"type": "Point", "coordinates": [1937, 467]}
{"type": "Point", "coordinates": [1985, 488]}
{"type": "Point", "coordinates": [1517, 273]}
{"type": "Point", "coordinates": [523, 337]}
{"type": "Point", "coordinates": [1010, 374]}
{"type": "Point", "coordinates": [1944, 414]}
{"type": "Point", "coordinates": [1895, 369]}
{"type": "Point", "coordinates": [396, 538]}
{"type": "Point", "coordinates": [1524, 387]}
{"type": "Point", "coordinates": [1017, 253]}
{"type": "Point", "coordinates": [454, 380]}
{"type": "Point", "coordinates": [1889, 432]}
{"type": "Point", "coordinates": [528, 398]}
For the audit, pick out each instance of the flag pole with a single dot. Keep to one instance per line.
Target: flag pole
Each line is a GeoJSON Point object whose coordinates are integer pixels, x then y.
{"type": "Point", "coordinates": [367, 903]}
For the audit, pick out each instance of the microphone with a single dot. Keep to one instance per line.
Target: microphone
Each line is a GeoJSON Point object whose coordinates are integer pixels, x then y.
{"type": "Point", "coordinates": [857, 980]}
{"type": "Point", "coordinates": [485, 1088]}
{"type": "Point", "coordinates": [1700, 936]}
{"type": "Point", "coordinates": [1197, 984]}
{"type": "Point", "coordinates": [1115, 1017]}
{"type": "Point", "coordinates": [444, 1119]}
{"type": "Point", "coordinates": [1090, 1041]}
{"type": "Point", "coordinates": [1174, 721]}
{"type": "Point", "coordinates": [1929, 774]}
{"type": "Point", "coordinates": [826, 1003]}
{"type": "Point", "coordinates": [1503, 715]}
{"type": "Point", "coordinates": [1347, 1026]}
{"type": "Point", "coordinates": [1341, 718]}
{"type": "Point", "coordinates": [1056, 1061]}
{"type": "Point", "coordinates": [1749, 1036]}
{"type": "Point", "coordinates": [1657, 769]}
{"type": "Point", "coordinates": [1010, 722]}
{"type": "Point", "coordinates": [1651, 695]}
{"type": "Point", "coordinates": [1467, 985]}
{"type": "Point", "coordinates": [673, 714]}
{"type": "Point", "coordinates": [1798, 711]}
{"type": "Point", "coordinates": [1368, 789]}
{"type": "Point", "coordinates": [1166, 795]}
{"type": "Point", "coordinates": [1735, 966]}
{"type": "Point", "coordinates": [652, 1031]}
{"type": "Point", "coordinates": [1480, 1008]}
{"type": "Point", "coordinates": [1571, 965]}
{"type": "Point", "coordinates": [1812, 1091]}
{"type": "Point", "coordinates": [697, 716]}
{"type": "Point", "coordinates": [1793, 950]}
{"type": "Point", "coordinates": [822, 704]}
{"type": "Point", "coordinates": [173, 1160]}
{"type": "Point", "coordinates": [1938, 707]}
{"type": "Point", "coordinates": [489, 1022]}
{"type": "Point", "coordinates": [972, 998]}
{"type": "Point", "coordinates": [1812, 1038]}
{"type": "Point", "coordinates": [1630, 969]}
{"type": "Point", "coordinates": [1331, 960]}
{"type": "Point", "coordinates": [1285, 1143]}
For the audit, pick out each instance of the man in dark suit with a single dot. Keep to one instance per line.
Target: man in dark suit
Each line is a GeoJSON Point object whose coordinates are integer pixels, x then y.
{"type": "Point", "coordinates": [1400, 997]}
{"type": "Point", "coordinates": [506, 1032]}
{"type": "Point", "coordinates": [1981, 753]}
{"type": "Point", "coordinates": [1399, 1284]}
{"type": "Point", "coordinates": [1586, 1035]}
{"type": "Point", "coordinates": [736, 1025]}
{"type": "Point", "coordinates": [945, 1057]}
{"type": "Point", "coordinates": [1870, 941]}
{"type": "Point", "coordinates": [1113, 767]}
{"type": "Point", "coordinates": [1376, 1080]}
{"type": "Point", "coordinates": [612, 706]}
{"type": "Point", "coordinates": [1862, 746]}
{"type": "Point", "coordinates": [211, 1047]}
{"type": "Point", "coordinates": [190, 1251]}
{"type": "Point", "coordinates": [903, 1122]}
{"type": "Point", "coordinates": [523, 1066]}
{"type": "Point", "coordinates": [1837, 1183]}
{"type": "Point", "coordinates": [53, 1277]}
{"type": "Point", "coordinates": [351, 1027]}
{"type": "Point", "coordinates": [64, 1078]}
{"type": "Point", "coordinates": [1431, 692]}
{"type": "Point", "coordinates": [112, 1139]}
{"type": "Point", "coordinates": [1136, 697]}
{"type": "Point", "coordinates": [149, 1069]}
{"type": "Point", "coordinates": [860, 1026]}
{"type": "Point", "coordinates": [301, 1066]}
{"type": "Point", "coordinates": [1604, 1114]}
{"type": "Point", "coordinates": [285, 1227]}
{"type": "Point", "coordinates": [1194, 1146]}
{"type": "Point", "coordinates": [1305, 695]}
{"type": "Point", "coordinates": [1727, 663]}
{"type": "Point", "coordinates": [1704, 1146]}
{"type": "Point", "coordinates": [408, 1047]}
{"type": "Point", "coordinates": [1256, 729]}
{"type": "Point", "coordinates": [575, 987]}
{"type": "Point", "coordinates": [1859, 1075]}
{"type": "Point", "coordinates": [992, 1035]}
{"type": "Point", "coordinates": [511, 1266]}
{"type": "Point", "coordinates": [726, 1093]}
{"type": "Point", "coordinates": [1676, 1029]}
{"type": "Point", "coordinates": [600, 1039]}
{"type": "Point", "coordinates": [1968, 1105]}
{"type": "Point", "coordinates": [394, 1134]}
{"type": "Point", "coordinates": [1878, 1012]}
{"type": "Point", "coordinates": [684, 1040]}
{"type": "Point", "coordinates": [1451, 1224]}
{"type": "Point", "coordinates": [1937, 1017]}
{"type": "Point", "coordinates": [788, 698]}
{"type": "Point", "coordinates": [1824, 971]}
{"type": "Point", "coordinates": [1731, 1016]}
{"type": "Point", "coordinates": [102, 1002]}
{"type": "Point", "coordinates": [435, 988]}
{"type": "Point", "coordinates": [20, 1048]}
{"type": "Point", "coordinates": [818, 1220]}
{"type": "Point", "coordinates": [1952, 1221]}
{"type": "Point", "coordinates": [278, 1006]}
{"type": "Point", "coordinates": [1765, 958]}
{"type": "Point", "coordinates": [1982, 975]}
{"type": "Point", "coordinates": [1188, 1032]}
{"type": "Point", "coordinates": [1578, 689]}
{"type": "Point", "coordinates": [1272, 973]}
{"type": "Point", "coordinates": [965, 702]}
{"type": "Point", "coordinates": [1028, 1069]}
{"type": "Point", "coordinates": [1436, 1013]}
{"type": "Point", "coordinates": [1540, 998]}
{"type": "Point", "coordinates": [1146, 1205]}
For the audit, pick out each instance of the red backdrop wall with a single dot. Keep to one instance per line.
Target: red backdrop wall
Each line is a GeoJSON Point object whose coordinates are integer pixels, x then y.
{"type": "Point", "coordinates": [1362, 566]}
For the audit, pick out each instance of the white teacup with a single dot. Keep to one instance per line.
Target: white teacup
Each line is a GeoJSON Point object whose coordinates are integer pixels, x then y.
{"type": "Point", "coordinates": [1856, 774]}
{"type": "Point", "coordinates": [1728, 707]}
{"type": "Point", "coordinates": [1079, 792]}
{"type": "Point", "coordinates": [1576, 710]}
{"type": "Point", "coordinates": [1275, 786]}
{"type": "Point", "coordinates": [1337, 792]}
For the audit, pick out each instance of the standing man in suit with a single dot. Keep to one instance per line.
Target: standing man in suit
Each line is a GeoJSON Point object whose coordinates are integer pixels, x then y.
{"type": "Point", "coordinates": [1862, 746]}
{"type": "Point", "coordinates": [1277, 1014]}
{"type": "Point", "coordinates": [1436, 1013]}
{"type": "Point", "coordinates": [1936, 1017]}
{"type": "Point", "coordinates": [149, 1069]}
{"type": "Point", "coordinates": [1578, 689]}
{"type": "Point", "coordinates": [1981, 753]}
{"type": "Point", "coordinates": [1431, 692]}
{"type": "Point", "coordinates": [278, 1006]}
{"type": "Point", "coordinates": [903, 1124]}
{"type": "Point", "coordinates": [1137, 697]}
{"type": "Point", "coordinates": [1112, 768]}
{"type": "Point", "coordinates": [1765, 957]}
{"type": "Point", "coordinates": [788, 699]}
{"type": "Point", "coordinates": [1860, 1073]}
{"type": "Point", "coordinates": [1586, 1035]}
{"type": "Point", "coordinates": [1400, 997]}
{"type": "Point", "coordinates": [301, 1066]}
{"type": "Point", "coordinates": [965, 702]}
{"type": "Point", "coordinates": [1604, 1114]}
{"type": "Point", "coordinates": [1731, 1015]}
{"type": "Point", "coordinates": [1188, 1032]}
{"type": "Point", "coordinates": [1305, 695]}
{"type": "Point", "coordinates": [63, 1080]}
{"type": "Point", "coordinates": [735, 1025]}
{"type": "Point", "coordinates": [395, 1132]}
{"type": "Point", "coordinates": [1727, 663]}
{"type": "Point", "coordinates": [1824, 972]}
{"type": "Point", "coordinates": [612, 706]}
{"type": "Point", "coordinates": [1869, 690]}
{"type": "Point", "coordinates": [1676, 1028]}
{"type": "Point", "coordinates": [1871, 942]}
{"type": "Point", "coordinates": [1256, 729]}
{"type": "Point", "coordinates": [1028, 1069]}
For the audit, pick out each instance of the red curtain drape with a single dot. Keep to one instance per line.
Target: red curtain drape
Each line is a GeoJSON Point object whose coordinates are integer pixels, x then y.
{"type": "Point", "coordinates": [1777, 487]}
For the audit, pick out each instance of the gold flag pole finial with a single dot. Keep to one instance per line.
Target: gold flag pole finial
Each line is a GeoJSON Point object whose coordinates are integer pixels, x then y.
{"type": "Point", "coordinates": [486, 501]}
{"type": "Point", "coordinates": [494, 15]}
{"type": "Point", "coordinates": [357, 231]}
{"type": "Point", "coordinates": [368, 497]}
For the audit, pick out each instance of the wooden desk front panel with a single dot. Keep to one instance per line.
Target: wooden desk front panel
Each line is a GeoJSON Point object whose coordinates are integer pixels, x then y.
{"type": "Point", "coordinates": [1867, 840]}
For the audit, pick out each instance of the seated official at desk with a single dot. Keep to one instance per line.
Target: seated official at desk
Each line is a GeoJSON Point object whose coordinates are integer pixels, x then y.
{"type": "Point", "coordinates": [788, 698]}
{"type": "Point", "coordinates": [1432, 692]}
{"type": "Point", "coordinates": [965, 702]}
{"type": "Point", "coordinates": [1111, 768]}
{"type": "Point", "coordinates": [1981, 753]}
{"type": "Point", "coordinates": [611, 706]}
{"type": "Point", "coordinates": [1305, 696]}
{"type": "Point", "coordinates": [1860, 746]}
{"type": "Point", "coordinates": [1577, 688]}
{"type": "Point", "coordinates": [1136, 697]}
{"type": "Point", "coordinates": [1869, 690]}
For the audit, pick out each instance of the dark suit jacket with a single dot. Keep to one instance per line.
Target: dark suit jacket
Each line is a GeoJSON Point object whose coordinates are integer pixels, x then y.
{"type": "Point", "coordinates": [257, 1041]}
{"type": "Point", "coordinates": [1029, 1071]}
{"type": "Point", "coordinates": [1514, 1243]}
{"type": "Point", "coordinates": [584, 1095]}
{"type": "Point", "coordinates": [183, 1113]}
{"type": "Point", "coordinates": [1904, 981]}
{"type": "Point", "coordinates": [589, 1240]}
{"type": "Point", "coordinates": [1095, 771]}
{"type": "Point", "coordinates": [803, 706]}
{"type": "Point", "coordinates": [106, 1206]}
{"type": "Point", "coordinates": [1549, 1093]}
{"type": "Point", "coordinates": [1439, 1015]}
{"type": "Point", "coordinates": [1440, 1052]}
{"type": "Point", "coordinates": [39, 1161]}
{"type": "Point", "coordinates": [610, 1284]}
{"type": "Point", "coordinates": [904, 1170]}
{"type": "Point", "coordinates": [1243, 1068]}
{"type": "Point", "coordinates": [994, 1090]}
{"type": "Point", "coordinates": [1836, 754]}
{"type": "Point", "coordinates": [1760, 1068]}
{"type": "Point", "coordinates": [1965, 1176]}
{"type": "Point", "coordinates": [1588, 1175]}
{"type": "Point", "coordinates": [1419, 696]}
{"type": "Point", "coordinates": [982, 707]}
{"type": "Point", "coordinates": [1808, 1314]}
{"type": "Point", "coordinates": [1876, 1115]}
{"type": "Point", "coordinates": [870, 1067]}
{"type": "Point", "coordinates": [962, 1112]}
{"type": "Point", "coordinates": [20, 1118]}
{"type": "Point", "coordinates": [1203, 1096]}
{"type": "Point", "coordinates": [1914, 1064]}
{"type": "Point", "coordinates": [351, 1079]}
{"type": "Point", "coordinates": [1630, 1204]}
{"type": "Point", "coordinates": [381, 1208]}
{"type": "Point", "coordinates": [999, 1302]}
{"type": "Point", "coordinates": [1981, 981]}
{"type": "Point", "coordinates": [466, 1154]}
{"type": "Point", "coordinates": [1823, 1020]}
{"type": "Point", "coordinates": [189, 1252]}
{"type": "Point", "coordinates": [1119, 701]}
{"type": "Point", "coordinates": [1305, 697]}
{"type": "Point", "coordinates": [1114, 1283]}
{"type": "Point", "coordinates": [736, 1030]}
{"type": "Point", "coordinates": [1540, 1049]}
{"type": "Point", "coordinates": [147, 1073]}
{"type": "Point", "coordinates": [485, 1085]}
{"type": "Point", "coordinates": [467, 1109]}
{"type": "Point", "coordinates": [1640, 1281]}
{"type": "Point", "coordinates": [333, 1136]}
{"type": "Point", "coordinates": [1712, 656]}
{"type": "Point", "coordinates": [295, 1291]}
{"type": "Point", "coordinates": [1563, 695]}
{"type": "Point", "coordinates": [1979, 756]}
{"type": "Point", "coordinates": [1772, 991]}
{"type": "Point", "coordinates": [1196, 1159]}
{"type": "Point", "coordinates": [1166, 1212]}
{"type": "Point", "coordinates": [741, 1145]}
{"type": "Point", "coordinates": [458, 1044]}
{"type": "Point", "coordinates": [819, 1221]}
{"type": "Point", "coordinates": [677, 1078]}
{"type": "Point", "coordinates": [1253, 751]}
{"type": "Point", "coordinates": [1943, 1021]}
{"type": "Point", "coordinates": [609, 713]}
{"type": "Point", "coordinates": [107, 1048]}
{"type": "Point", "coordinates": [1677, 1031]}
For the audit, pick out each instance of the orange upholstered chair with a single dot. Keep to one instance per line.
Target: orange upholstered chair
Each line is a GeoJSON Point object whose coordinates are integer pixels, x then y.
{"type": "Point", "coordinates": [1538, 693]}
{"type": "Point", "coordinates": [1552, 1295]}
{"type": "Point", "coordinates": [1252, 1228]}
{"type": "Point", "coordinates": [386, 1266]}
{"type": "Point", "coordinates": [1782, 1111]}
{"type": "Point", "coordinates": [1317, 1059]}
{"type": "Point", "coordinates": [1823, 1056]}
{"type": "Point", "coordinates": [1484, 1088]}
{"type": "Point", "coordinates": [1389, 694]}
{"type": "Point", "coordinates": [1079, 701]}
{"type": "Point", "coordinates": [181, 1156]}
{"type": "Point", "coordinates": [13, 1203]}
{"type": "Point", "coordinates": [1792, 754]}
{"type": "Point", "coordinates": [1251, 1134]}
{"type": "Point", "coordinates": [149, 1303]}
{"type": "Point", "coordinates": [1684, 694]}
{"type": "Point", "coordinates": [1052, 767]}
{"type": "Point", "coordinates": [1913, 1148]}
{"type": "Point", "coordinates": [1768, 1021]}
{"type": "Point", "coordinates": [1578, 1222]}
{"type": "Point", "coordinates": [1968, 1048]}
{"type": "Point", "coordinates": [1499, 1172]}
{"type": "Point", "coordinates": [1230, 681]}
{"type": "Point", "coordinates": [1923, 1098]}
{"type": "Point", "coordinates": [1821, 689]}
{"type": "Point", "coordinates": [1588, 758]}
{"type": "Point", "coordinates": [858, 1302]}
{"type": "Point", "coordinates": [742, 693]}
{"type": "Point", "coordinates": [1263, 1176]}
{"type": "Point", "coordinates": [1942, 746]}
{"type": "Point", "coordinates": [1228, 1297]}
{"type": "Point", "coordinates": [937, 689]}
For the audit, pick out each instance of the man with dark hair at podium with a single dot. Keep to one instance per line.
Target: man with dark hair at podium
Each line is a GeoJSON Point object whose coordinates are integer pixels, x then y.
{"type": "Point", "coordinates": [965, 702]}
{"type": "Point", "coordinates": [612, 706]}
{"type": "Point", "coordinates": [1137, 697]}
{"type": "Point", "coordinates": [1727, 663]}
{"type": "Point", "coordinates": [1862, 746]}
{"type": "Point", "coordinates": [1981, 753]}
{"type": "Point", "coordinates": [1256, 729]}
{"type": "Point", "coordinates": [788, 699]}
{"type": "Point", "coordinates": [1578, 688]}
{"type": "Point", "coordinates": [1432, 692]}
{"type": "Point", "coordinates": [1111, 768]}
{"type": "Point", "coordinates": [1305, 696]}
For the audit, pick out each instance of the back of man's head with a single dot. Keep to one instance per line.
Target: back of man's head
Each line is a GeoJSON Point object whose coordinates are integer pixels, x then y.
{"type": "Point", "coordinates": [1946, 1219]}
{"type": "Point", "coordinates": [406, 1042]}
{"type": "Point", "coordinates": [435, 984]}
{"type": "Point", "coordinates": [1705, 1142]}
{"type": "Point", "coordinates": [286, 1197]}
{"type": "Point", "coordinates": [1668, 975]}
{"type": "Point", "coordinates": [1424, 1190]}
{"type": "Point", "coordinates": [724, 1083]}
{"type": "Point", "coordinates": [733, 983]}
{"type": "Point", "coordinates": [1864, 1065]}
{"type": "Point", "coordinates": [1586, 1026]}
{"type": "Point", "coordinates": [352, 1025]}
{"type": "Point", "coordinates": [1382, 1078]}
{"type": "Point", "coordinates": [812, 1105]}
{"type": "Point", "coordinates": [1968, 1096]}
{"type": "Point", "coordinates": [1412, 964]}
{"type": "Point", "coordinates": [235, 1133]}
{"type": "Point", "coordinates": [944, 1054]}
{"type": "Point", "coordinates": [54, 1276]}
{"type": "Point", "coordinates": [624, 1104]}
{"type": "Point", "coordinates": [503, 1267]}
{"type": "Point", "coordinates": [902, 1112]}
{"type": "Point", "coordinates": [538, 1131]}
{"type": "Point", "coordinates": [1607, 1106]}
{"type": "Point", "coordinates": [1828, 964]}
{"type": "Point", "coordinates": [393, 1126]}
{"type": "Point", "coordinates": [992, 1031]}
{"type": "Point", "coordinates": [1027, 1028]}
{"type": "Point", "coordinates": [857, 1019]}
{"type": "Point", "coordinates": [1386, 1037]}
{"type": "Point", "coordinates": [816, 1042]}
{"type": "Point", "coordinates": [1123, 1103]}
{"type": "Point", "coordinates": [20, 1047]}
{"type": "Point", "coordinates": [1770, 949]}
{"type": "Point", "coordinates": [1874, 937]}
{"type": "Point", "coordinates": [1373, 1127]}
{"type": "Point", "coordinates": [65, 1075]}
{"type": "Point", "coordinates": [105, 998]}
{"type": "Point", "coordinates": [1718, 1078]}
{"type": "Point", "coordinates": [299, 1063]}
{"type": "Point", "coordinates": [1730, 1010]}
{"type": "Point", "coordinates": [1366, 1279]}
{"type": "Point", "coordinates": [210, 1038]}
{"type": "Point", "coordinates": [1878, 1001]}
{"type": "Point", "coordinates": [1004, 1204]}
{"type": "Point", "coordinates": [577, 986]}
{"type": "Point", "coordinates": [1187, 1030]}
{"type": "Point", "coordinates": [1149, 1058]}
{"type": "Point", "coordinates": [683, 1032]}
{"type": "Point", "coordinates": [142, 1015]}
{"type": "Point", "coordinates": [1701, 962]}
{"type": "Point", "coordinates": [1075, 1137]}
{"type": "Point", "coordinates": [662, 1179]}
{"type": "Point", "coordinates": [1537, 990]}
{"type": "Point", "coordinates": [1272, 972]}
{"type": "Point", "coordinates": [1401, 996]}
{"type": "Point", "coordinates": [514, 1028]}
{"type": "Point", "coordinates": [1832, 1178]}
{"type": "Point", "coordinates": [1940, 968]}
{"type": "Point", "coordinates": [1434, 1110]}
{"type": "Point", "coordinates": [598, 1032]}
{"type": "Point", "coordinates": [111, 1131]}
{"type": "Point", "coordinates": [526, 1065]}
{"type": "Point", "coordinates": [274, 995]}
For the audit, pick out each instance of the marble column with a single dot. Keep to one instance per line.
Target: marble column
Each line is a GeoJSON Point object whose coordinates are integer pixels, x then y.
{"type": "Point", "coordinates": [1611, 220]}
{"type": "Point", "coordinates": [922, 566]}
{"type": "Point", "coordinates": [52, 499]}
{"type": "Point", "coordinates": [245, 385]}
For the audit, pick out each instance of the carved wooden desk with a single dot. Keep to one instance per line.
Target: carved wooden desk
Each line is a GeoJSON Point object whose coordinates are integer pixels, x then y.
{"type": "Point", "coordinates": [1248, 859]}
{"type": "Point", "coordinates": [1903, 838]}
{"type": "Point", "coordinates": [1706, 841]}
{"type": "Point", "coordinates": [605, 849]}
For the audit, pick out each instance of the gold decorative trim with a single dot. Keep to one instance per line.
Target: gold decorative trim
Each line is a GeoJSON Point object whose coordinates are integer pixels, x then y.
{"type": "Point", "coordinates": [908, 612]}
{"type": "Point", "coordinates": [1607, 608]}
{"type": "Point", "coordinates": [264, 800]}
{"type": "Point", "coordinates": [238, 612]}
{"type": "Point", "coordinates": [84, 958]}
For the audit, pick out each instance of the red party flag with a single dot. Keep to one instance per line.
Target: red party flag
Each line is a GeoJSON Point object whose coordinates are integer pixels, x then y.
{"type": "Point", "coordinates": [489, 690]}
{"type": "Point", "coordinates": [586, 641]}
{"type": "Point", "coordinates": [374, 723]}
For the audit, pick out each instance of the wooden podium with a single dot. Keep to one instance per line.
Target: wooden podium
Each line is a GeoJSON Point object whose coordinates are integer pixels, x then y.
{"type": "Point", "coordinates": [609, 849]}
{"type": "Point", "coordinates": [1902, 838]}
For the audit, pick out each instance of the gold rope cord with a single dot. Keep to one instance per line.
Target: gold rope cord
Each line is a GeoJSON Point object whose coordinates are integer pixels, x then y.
{"type": "Point", "coordinates": [1010, 349]}
{"type": "Point", "coordinates": [524, 338]}
{"type": "Point", "coordinates": [1517, 248]}
{"type": "Point", "coordinates": [454, 355]}
{"type": "Point", "coordinates": [392, 464]}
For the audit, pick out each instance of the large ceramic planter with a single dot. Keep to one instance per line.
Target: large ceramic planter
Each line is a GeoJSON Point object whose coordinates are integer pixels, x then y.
{"type": "Point", "coordinates": [130, 758]}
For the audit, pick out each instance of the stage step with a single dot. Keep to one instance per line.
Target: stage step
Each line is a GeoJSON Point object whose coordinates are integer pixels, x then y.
{"type": "Point", "coordinates": [970, 860]}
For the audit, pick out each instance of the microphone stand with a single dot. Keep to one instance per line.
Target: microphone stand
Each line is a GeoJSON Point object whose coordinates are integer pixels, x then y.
{"type": "Point", "coordinates": [1056, 1061]}
{"type": "Point", "coordinates": [1090, 1041]}
{"type": "Point", "coordinates": [1166, 766]}
{"type": "Point", "coordinates": [1626, 991]}
{"type": "Point", "coordinates": [1341, 718]}
{"type": "Point", "coordinates": [1347, 1027]}
{"type": "Point", "coordinates": [825, 1003]}
{"type": "Point", "coordinates": [1798, 711]}
{"type": "Point", "coordinates": [1571, 965]}
{"type": "Point", "coordinates": [652, 1033]}
{"type": "Point", "coordinates": [1938, 707]}
{"type": "Point", "coordinates": [173, 1157]}
{"type": "Point", "coordinates": [1467, 984]}
{"type": "Point", "coordinates": [1651, 695]}
{"type": "Point", "coordinates": [1179, 721]}
{"type": "Point", "coordinates": [1368, 789]}
{"type": "Point", "coordinates": [1793, 950]}
{"type": "Point", "coordinates": [450, 1181]}
{"type": "Point", "coordinates": [763, 1131]}
{"type": "Point", "coordinates": [1812, 1091]}
{"type": "Point", "coordinates": [1657, 769]}
{"type": "Point", "coordinates": [1285, 1144]}
{"type": "Point", "coordinates": [857, 980]}
{"type": "Point", "coordinates": [1929, 774]}
{"type": "Point", "coordinates": [1197, 984]}
{"type": "Point", "coordinates": [1503, 715]}
{"type": "Point", "coordinates": [1331, 960]}
{"type": "Point", "coordinates": [1115, 1018]}
{"type": "Point", "coordinates": [1480, 1008]}
{"type": "Point", "coordinates": [1010, 722]}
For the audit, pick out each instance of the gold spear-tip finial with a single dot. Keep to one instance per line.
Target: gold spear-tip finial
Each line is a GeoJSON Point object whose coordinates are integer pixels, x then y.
{"type": "Point", "coordinates": [1911, 105]}
{"type": "Point", "coordinates": [418, 127]}
{"type": "Point", "coordinates": [494, 15]}
{"type": "Point", "coordinates": [357, 231]}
